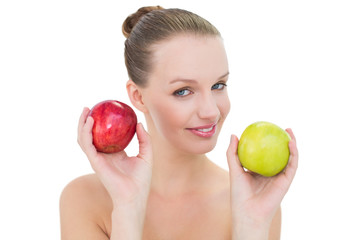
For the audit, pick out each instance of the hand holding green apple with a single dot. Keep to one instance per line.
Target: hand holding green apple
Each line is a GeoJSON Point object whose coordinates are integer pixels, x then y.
{"type": "Point", "coordinates": [256, 199]}
{"type": "Point", "coordinates": [263, 148]}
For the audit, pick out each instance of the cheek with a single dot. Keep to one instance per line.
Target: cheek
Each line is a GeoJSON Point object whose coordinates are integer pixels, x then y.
{"type": "Point", "coordinates": [170, 116]}
{"type": "Point", "coordinates": [224, 106]}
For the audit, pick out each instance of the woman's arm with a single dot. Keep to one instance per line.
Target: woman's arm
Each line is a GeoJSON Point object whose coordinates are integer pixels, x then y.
{"type": "Point", "coordinates": [255, 200]}
{"type": "Point", "coordinates": [275, 228]}
{"type": "Point", "coordinates": [127, 183]}
{"type": "Point", "coordinates": [128, 222]}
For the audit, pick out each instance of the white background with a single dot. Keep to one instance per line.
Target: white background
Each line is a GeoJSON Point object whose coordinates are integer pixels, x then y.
{"type": "Point", "coordinates": [293, 63]}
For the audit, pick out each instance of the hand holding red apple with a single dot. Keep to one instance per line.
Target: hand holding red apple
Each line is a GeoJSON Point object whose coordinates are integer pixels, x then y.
{"type": "Point", "coordinates": [127, 179]}
{"type": "Point", "coordinates": [255, 198]}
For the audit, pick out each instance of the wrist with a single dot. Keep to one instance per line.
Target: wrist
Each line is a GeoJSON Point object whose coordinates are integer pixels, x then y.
{"type": "Point", "coordinates": [128, 221]}
{"type": "Point", "coordinates": [247, 233]}
{"type": "Point", "coordinates": [248, 229]}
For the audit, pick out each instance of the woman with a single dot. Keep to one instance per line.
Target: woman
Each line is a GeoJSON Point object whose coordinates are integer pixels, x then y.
{"type": "Point", "coordinates": [178, 73]}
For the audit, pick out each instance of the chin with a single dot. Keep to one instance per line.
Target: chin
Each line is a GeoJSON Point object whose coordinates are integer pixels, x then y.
{"type": "Point", "coordinates": [202, 147]}
{"type": "Point", "coordinates": [199, 145]}
{"type": "Point", "coordinates": [204, 150]}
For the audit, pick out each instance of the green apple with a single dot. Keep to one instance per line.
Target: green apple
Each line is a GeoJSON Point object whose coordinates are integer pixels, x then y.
{"type": "Point", "coordinates": [264, 148]}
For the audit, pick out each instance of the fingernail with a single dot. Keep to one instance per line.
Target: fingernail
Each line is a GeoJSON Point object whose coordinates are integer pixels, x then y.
{"type": "Point", "coordinates": [231, 137]}
{"type": "Point", "coordinates": [141, 126]}
{"type": "Point", "coordinates": [85, 109]}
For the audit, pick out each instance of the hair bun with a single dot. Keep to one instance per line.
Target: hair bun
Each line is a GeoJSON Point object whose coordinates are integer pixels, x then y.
{"type": "Point", "coordinates": [131, 20]}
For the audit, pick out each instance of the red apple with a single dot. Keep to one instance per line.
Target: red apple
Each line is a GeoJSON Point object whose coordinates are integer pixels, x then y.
{"type": "Point", "coordinates": [114, 126]}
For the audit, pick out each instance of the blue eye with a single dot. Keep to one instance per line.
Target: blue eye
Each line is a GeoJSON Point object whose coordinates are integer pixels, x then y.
{"type": "Point", "coordinates": [182, 92]}
{"type": "Point", "coordinates": [218, 86]}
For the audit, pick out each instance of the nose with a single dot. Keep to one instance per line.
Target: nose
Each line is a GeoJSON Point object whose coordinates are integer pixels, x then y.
{"type": "Point", "coordinates": [208, 108]}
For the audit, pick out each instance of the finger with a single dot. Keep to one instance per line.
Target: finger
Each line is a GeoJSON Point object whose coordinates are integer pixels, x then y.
{"type": "Point", "coordinates": [87, 139]}
{"type": "Point", "coordinates": [82, 120]}
{"type": "Point", "coordinates": [290, 132]}
{"type": "Point", "coordinates": [145, 149]}
{"type": "Point", "coordinates": [232, 157]}
{"type": "Point", "coordinates": [293, 160]}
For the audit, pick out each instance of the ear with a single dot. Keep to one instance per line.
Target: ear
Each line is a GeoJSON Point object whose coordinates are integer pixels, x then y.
{"type": "Point", "coordinates": [135, 95]}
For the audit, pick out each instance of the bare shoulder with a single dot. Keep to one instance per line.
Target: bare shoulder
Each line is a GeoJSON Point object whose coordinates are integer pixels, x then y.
{"type": "Point", "coordinates": [220, 178]}
{"type": "Point", "coordinates": [86, 190]}
{"type": "Point", "coordinates": [220, 202]}
{"type": "Point", "coordinates": [84, 204]}
{"type": "Point", "coordinates": [221, 182]}
{"type": "Point", "coordinates": [84, 184]}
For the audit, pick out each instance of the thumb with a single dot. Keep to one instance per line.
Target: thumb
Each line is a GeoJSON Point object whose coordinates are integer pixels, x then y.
{"type": "Point", "coordinates": [145, 149]}
{"type": "Point", "coordinates": [232, 157]}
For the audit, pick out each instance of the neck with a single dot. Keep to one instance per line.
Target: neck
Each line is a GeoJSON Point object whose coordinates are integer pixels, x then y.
{"type": "Point", "coordinates": [175, 172]}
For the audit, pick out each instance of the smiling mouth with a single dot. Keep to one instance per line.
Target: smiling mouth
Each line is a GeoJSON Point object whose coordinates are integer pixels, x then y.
{"type": "Point", "coordinates": [204, 131]}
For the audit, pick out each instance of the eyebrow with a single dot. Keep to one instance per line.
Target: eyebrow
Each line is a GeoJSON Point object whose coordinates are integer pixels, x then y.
{"type": "Point", "coordinates": [192, 80]}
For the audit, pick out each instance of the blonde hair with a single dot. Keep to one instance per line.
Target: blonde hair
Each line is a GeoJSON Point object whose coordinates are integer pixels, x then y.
{"type": "Point", "coordinates": [150, 25]}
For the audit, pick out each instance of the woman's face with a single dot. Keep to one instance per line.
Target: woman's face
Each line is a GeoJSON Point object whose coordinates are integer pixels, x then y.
{"type": "Point", "coordinates": [186, 96]}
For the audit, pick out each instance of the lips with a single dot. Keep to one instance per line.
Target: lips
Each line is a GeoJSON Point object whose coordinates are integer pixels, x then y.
{"type": "Point", "coordinates": [204, 131]}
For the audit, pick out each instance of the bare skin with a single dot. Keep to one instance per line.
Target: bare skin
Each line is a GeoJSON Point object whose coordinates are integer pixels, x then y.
{"type": "Point", "coordinates": [171, 190]}
{"type": "Point", "coordinates": [86, 210]}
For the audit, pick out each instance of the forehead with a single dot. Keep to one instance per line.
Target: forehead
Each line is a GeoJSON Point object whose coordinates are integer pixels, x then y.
{"type": "Point", "coordinates": [189, 56]}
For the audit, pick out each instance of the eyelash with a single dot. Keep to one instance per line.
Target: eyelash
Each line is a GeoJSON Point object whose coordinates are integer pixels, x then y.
{"type": "Point", "coordinates": [220, 83]}
{"type": "Point", "coordinates": [176, 93]}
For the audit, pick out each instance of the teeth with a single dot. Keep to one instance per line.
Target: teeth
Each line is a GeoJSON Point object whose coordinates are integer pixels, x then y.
{"type": "Point", "coordinates": [205, 129]}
